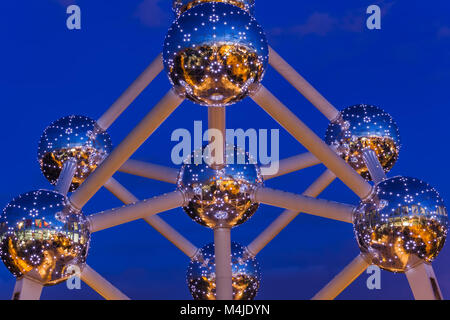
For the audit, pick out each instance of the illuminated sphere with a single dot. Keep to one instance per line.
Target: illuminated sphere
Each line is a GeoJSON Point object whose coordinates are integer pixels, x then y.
{"type": "Point", "coordinates": [364, 126]}
{"type": "Point", "coordinates": [215, 54]}
{"type": "Point", "coordinates": [180, 6]}
{"type": "Point", "coordinates": [220, 197]}
{"type": "Point", "coordinates": [73, 137]}
{"type": "Point", "coordinates": [246, 274]}
{"type": "Point", "coordinates": [42, 237]}
{"type": "Point", "coordinates": [402, 224]}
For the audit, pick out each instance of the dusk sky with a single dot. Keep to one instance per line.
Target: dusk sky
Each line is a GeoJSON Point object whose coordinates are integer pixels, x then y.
{"type": "Point", "coordinates": [48, 72]}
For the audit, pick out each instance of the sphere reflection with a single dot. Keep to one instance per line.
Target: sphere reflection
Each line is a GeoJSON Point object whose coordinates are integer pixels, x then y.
{"type": "Point", "coordinates": [403, 223]}
{"type": "Point", "coordinates": [363, 127]}
{"type": "Point", "coordinates": [215, 54]}
{"type": "Point", "coordinates": [180, 6]}
{"type": "Point", "coordinates": [221, 197]}
{"type": "Point", "coordinates": [41, 237]}
{"type": "Point", "coordinates": [246, 274]}
{"type": "Point", "coordinates": [73, 137]}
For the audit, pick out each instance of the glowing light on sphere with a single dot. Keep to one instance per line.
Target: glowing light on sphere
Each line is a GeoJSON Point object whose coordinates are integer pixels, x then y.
{"type": "Point", "coordinates": [73, 137]}
{"type": "Point", "coordinates": [215, 54]}
{"type": "Point", "coordinates": [41, 237]}
{"type": "Point", "coordinates": [246, 274]}
{"type": "Point", "coordinates": [180, 6]}
{"type": "Point", "coordinates": [403, 223]}
{"type": "Point", "coordinates": [221, 197]}
{"type": "Point", "coordinates": [364, 126]}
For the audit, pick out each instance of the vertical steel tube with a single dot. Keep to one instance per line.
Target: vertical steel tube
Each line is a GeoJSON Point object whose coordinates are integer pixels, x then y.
{"type": "Point", "coordinates": [217, 127]}
{"type": "Point", "coordinates": [423, 282]}
{"type": "Point", "coordinates": [27, 289]}
{"type": "Point", "coordinates": [222, 252]}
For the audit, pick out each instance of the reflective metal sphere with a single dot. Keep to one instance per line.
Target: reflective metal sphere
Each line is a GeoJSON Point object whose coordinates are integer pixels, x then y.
{"type": "Point", "coordinates": [41, 237]}
{"type": "Point", "coordinates": [73, 137]}
{"type": "Point", "coordinates": [221, 197]}
{"type": "Point", "coordinates": [180, 6]}
{"type": "Point", "coordinates": [360, 127]}
{"type": "Point", "coordinates": [201, 274]}
{"type": "Point", "coordinates": [215, 54]}
{"type": "Point", "coordinates": [403, 223]}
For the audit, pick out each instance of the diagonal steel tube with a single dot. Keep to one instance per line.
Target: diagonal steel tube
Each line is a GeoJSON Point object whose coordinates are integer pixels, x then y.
{"type": "Point", "coordinates": [322, 208]}
{"type": "Point", "coordinates": [343, 279]}
{"type": "Point", "coordinates": [125, 149]}
{"type": "Point", "coordinates": [150, 171]}
{"type": "Point", "coordinates": [139, 210]}
{"type": "Point", "coordinates": [295, 163]}
{"type": "Point", "coordinates": [303, 86]}
{"type": "Point", "coordinates": [102, 286]}
{"type": "Point", "coordinates": [287, 216]}
{"type": "Point", "coordinates": [312, 142]}
{"type": "Point", "coordinates": [131, 93]}
{"type": "Point", "coordinates": [156, 222]}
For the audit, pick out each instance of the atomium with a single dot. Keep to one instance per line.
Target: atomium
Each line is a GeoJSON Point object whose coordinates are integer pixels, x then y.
{"type": "Point", "coordinates": [403, 223]}
{"type": "Point", "coordinates": [246, 274]}
{"type": "Point", "coordinates": [73, 137]}
{"type": "Point", "coordinates": [215, 54]}
{"type": "Point", "coordinates": [42, 237]}
{"type": "Point", "coordinates": [180, 6]}
{"type": "Point", "coordinates": [363, 127]}
{"type": "Point", "coordinates": [220, 197]}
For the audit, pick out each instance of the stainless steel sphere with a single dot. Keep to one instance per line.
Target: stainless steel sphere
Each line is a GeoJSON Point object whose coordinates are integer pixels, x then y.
{"type": "Point", "coordinates": [246, 274]}
{"type": "Point", "coordinates": [73, 137]}
{"type": "Point", "coordinates": [363, 127]}
{"type": "Point", "coordinates": [215, 54]}
{"type": "Point", "coordinates": [220, 197]}
{"type": "Point", "coordinates": [41, 236]}
{"type": "Point", "coordinates": [180, 6]}
{"type": "Point", "coordinates": [403, 223]}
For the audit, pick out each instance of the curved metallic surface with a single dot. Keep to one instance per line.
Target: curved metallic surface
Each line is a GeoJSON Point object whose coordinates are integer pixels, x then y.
{"type": "Point", "coordinates": [180, 6]}
{"type": "Point", "coordinates": [246, 274]}
{"type": "Point", "coordinates": [41, 237]}
{"type": "Point", "coordinates": [215, 54]}
{"type": "Point", "coordinates": [221, 197]}
{"type": "Point", "coordinates": [364, 126]}
{"type": "Point", "coordinates": [403, 223]}
{"type": "Point", "coordinates": [73, 137]}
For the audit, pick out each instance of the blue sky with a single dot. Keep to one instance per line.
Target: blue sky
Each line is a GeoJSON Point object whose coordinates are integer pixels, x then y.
{"type": "Point", "coordinates": [48, 72]}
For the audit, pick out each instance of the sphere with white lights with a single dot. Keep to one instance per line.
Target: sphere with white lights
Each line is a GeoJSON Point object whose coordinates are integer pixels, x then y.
{"type": "Point", "coordinates": [74, 137]}
{"type": "Point", "coordinates": [42, 237]}
{"type": "Point", "coordinates": [221, 197]}
{"type": "Point", "coordinates": [403, 223]}
{"type": "Point", "coordinates": [180, 6]}
{"type": "Point", "coordinates": [363, 127]}
{"type": "Point", "coordinates": [246, 274]}
{"type": "Point", "coordinates": [215, 54]}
